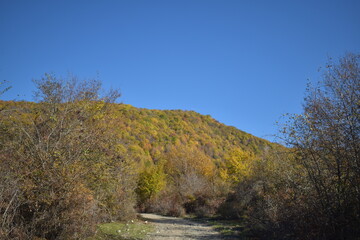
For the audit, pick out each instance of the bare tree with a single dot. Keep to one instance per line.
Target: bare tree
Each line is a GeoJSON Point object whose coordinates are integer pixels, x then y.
{"type": "Point", "coordinates": [327, 139]}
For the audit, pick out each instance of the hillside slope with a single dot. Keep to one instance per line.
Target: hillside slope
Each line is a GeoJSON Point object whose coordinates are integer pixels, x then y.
{"type": "Point", "coordinates": [155, 130]}
{"type": "Point", "coordinates": [166, 161]}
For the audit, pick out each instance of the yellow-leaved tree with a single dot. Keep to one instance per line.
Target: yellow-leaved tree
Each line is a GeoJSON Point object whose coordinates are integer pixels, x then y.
{"type": "Point", "coordinates": [237, 165]}
{"type": "Point", "coordinates": [150, 182]}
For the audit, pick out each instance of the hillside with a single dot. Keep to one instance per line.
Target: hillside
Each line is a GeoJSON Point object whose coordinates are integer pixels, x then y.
{"type": "Point", "coordinates": [149, 133]}
{"type": "Point", "coordinates": [76, 159]}
{"type": "Point", "coordinates": [155, 130]}
{"type": "Point", "coordinates": [116, 159]}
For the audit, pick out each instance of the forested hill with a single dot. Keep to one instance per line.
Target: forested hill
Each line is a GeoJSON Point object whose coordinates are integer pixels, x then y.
{"type": "Point", "coordinates": [113, 159]}
{"type": "Point", "coordinates": [77, 159]}
{"type": "Point", "coordinates": [155, 130]}
{"type": "Point", "coordinates": [146, 135]}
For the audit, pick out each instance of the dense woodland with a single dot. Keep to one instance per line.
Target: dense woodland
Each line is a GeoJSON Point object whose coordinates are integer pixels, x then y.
{"type": "Point", "coordinates": [75, 158]}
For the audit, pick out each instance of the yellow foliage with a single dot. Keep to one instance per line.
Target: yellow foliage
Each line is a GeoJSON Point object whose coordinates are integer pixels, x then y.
{"type": "Point", "coordinates": [237, 165]}
{"type": "Point", "coordinates": [182, 159]}
{"type": "Point", "coordinates": [150, 182]}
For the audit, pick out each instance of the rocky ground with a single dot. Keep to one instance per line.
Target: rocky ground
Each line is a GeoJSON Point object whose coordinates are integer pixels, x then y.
{"type": "Point", "coordinates": [178, 228]}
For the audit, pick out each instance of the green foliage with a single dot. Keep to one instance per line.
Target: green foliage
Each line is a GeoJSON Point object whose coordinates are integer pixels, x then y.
{"type": "Point", "coordinates": [150, 182]}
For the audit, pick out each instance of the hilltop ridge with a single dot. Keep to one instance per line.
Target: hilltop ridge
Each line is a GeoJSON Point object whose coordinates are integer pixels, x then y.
{"type": "Point", "coordinates": [153, 130]}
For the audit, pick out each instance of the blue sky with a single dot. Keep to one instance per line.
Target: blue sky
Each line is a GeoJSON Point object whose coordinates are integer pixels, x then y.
{"type": "Point", "coordinates": [245, 63]}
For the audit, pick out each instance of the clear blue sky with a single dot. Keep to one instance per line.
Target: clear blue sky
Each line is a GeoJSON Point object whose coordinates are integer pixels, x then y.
{"type": "Point", "coordinates": [243, 62]}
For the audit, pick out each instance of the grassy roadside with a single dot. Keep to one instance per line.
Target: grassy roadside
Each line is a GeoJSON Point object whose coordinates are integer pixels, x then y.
{"type": "Point", "coordinates": [132, 230]}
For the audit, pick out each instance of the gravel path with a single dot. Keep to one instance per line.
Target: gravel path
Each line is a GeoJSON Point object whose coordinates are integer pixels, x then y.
{"type": "Point", "coordinates": [179, 228]}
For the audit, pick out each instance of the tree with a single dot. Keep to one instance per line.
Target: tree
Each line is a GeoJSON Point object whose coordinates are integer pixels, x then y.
{"type": "Point", "coordinates": [151, 181]}
{"type": "Point", "coordinates": [237, 165]}
{"type": "Point", "coordinates": [327, 140]}
{"type": "Point", "coordinates": [50, 151]}
{"type": "Point", "coordinates": [3, 87]}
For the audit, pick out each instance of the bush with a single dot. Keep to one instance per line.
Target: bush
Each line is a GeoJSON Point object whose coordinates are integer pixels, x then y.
{"type": "Point", "coordinates": [168, 204]}
{"type": "Point", "coordinates": [60, 171]}
{"type": "Point", "coordinates": [203, 204]}
{"type": "Point", "coordinates": [311, 191]}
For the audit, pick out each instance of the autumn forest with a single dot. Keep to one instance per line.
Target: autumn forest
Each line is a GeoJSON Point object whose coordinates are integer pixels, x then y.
{"type": "Point", "coordinates": [75, 158]}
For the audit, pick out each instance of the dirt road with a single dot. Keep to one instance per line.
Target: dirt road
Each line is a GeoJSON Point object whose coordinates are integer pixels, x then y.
{"type": "Point", "coordinates": [172, 228]}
